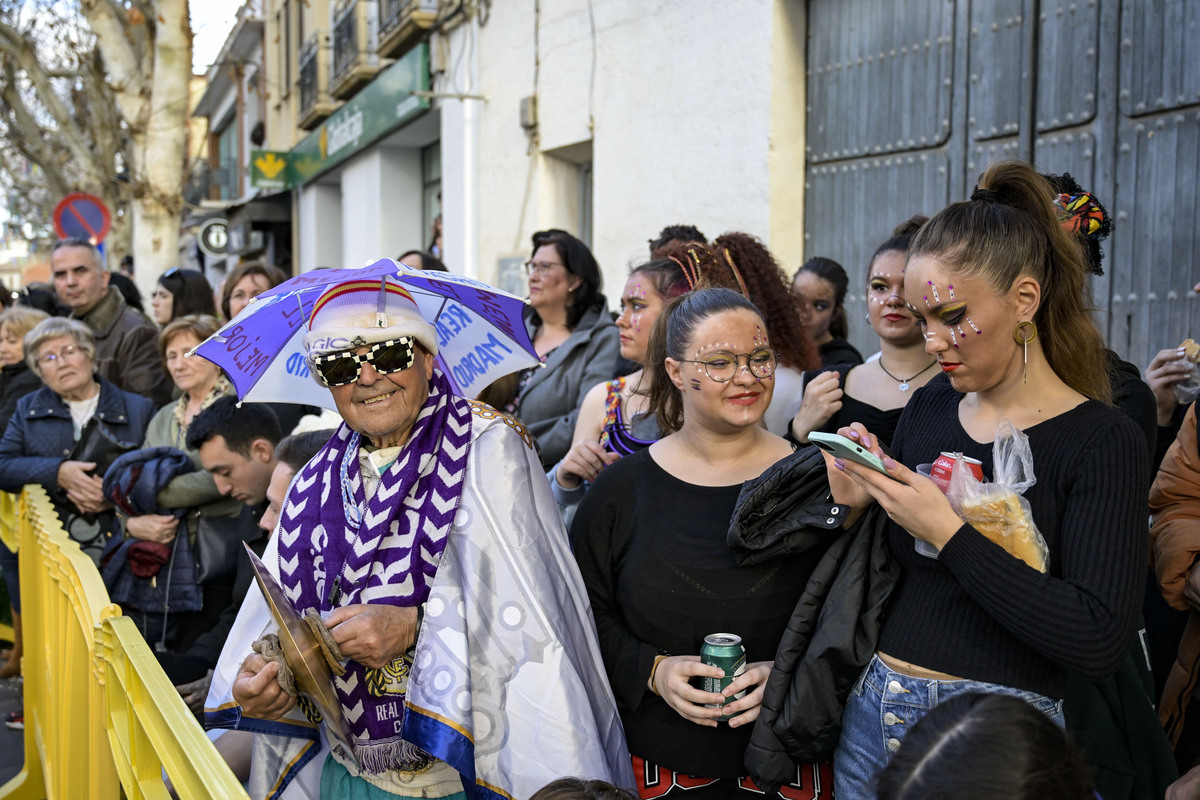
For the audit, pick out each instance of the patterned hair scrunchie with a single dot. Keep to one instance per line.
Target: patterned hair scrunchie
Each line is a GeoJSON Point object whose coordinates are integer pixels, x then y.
{"type": "Point", "coordinates": [1080, 214]}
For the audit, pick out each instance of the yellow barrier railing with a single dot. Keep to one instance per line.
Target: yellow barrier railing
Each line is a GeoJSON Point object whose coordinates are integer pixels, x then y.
{"type": "Point", "coordinates": [9, 516]}
{"type": "Point", "coordinates": [100, 714]}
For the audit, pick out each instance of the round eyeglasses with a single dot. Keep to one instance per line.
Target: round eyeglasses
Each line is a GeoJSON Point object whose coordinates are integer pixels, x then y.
{"type": "Point", "coordinates": [723, 365]}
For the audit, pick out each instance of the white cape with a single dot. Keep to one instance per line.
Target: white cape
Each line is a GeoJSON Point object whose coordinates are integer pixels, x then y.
{"type": "Point", "coordinates": [508, 685]}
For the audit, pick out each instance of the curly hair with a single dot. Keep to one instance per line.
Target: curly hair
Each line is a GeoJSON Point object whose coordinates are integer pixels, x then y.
{"type": "Point", "coordinates": [749, 268]}
{"type": "Point", "coordinates": [1081, 215]}
{"type": "Point", "coordinates": [676, 233]}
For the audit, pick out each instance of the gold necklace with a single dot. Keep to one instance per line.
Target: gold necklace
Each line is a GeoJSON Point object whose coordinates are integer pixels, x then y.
{"type": "Point", "coordinates": [904, 381]}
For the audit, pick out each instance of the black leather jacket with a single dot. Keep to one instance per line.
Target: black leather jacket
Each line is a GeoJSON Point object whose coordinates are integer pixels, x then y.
{"type": "Point", "coordinates": [834, 629]}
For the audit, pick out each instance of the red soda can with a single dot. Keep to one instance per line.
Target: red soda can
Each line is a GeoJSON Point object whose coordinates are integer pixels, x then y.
{"type": "Point", "coordinates": [943, 468]}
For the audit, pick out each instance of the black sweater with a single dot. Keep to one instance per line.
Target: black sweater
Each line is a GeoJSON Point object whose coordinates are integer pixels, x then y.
{"type": "Point", "coordinates": [981, 614]}
{"type": "Point", "coordinates": [652, 552]}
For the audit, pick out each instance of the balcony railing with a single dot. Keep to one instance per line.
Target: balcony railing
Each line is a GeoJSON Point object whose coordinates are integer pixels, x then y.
{"type": "Point", "coordinates": [355, 62]}
{"type": "Point", "coordinates": [402, 23]}
{"type": "Point", "coordinates": [315, 102]}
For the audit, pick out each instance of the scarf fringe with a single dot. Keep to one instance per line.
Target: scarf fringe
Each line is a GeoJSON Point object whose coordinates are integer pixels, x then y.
{"type": "Point", "coordinates": [397, 754]}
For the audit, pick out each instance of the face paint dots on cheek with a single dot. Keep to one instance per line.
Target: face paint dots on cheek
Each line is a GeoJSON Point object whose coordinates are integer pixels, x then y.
{"type": "Point", "coordinates": [933, 289]}
{"type": "Point", "coordinates": [953, 340]}
{"type": "Point", "coordinates": [961, 333]}
{"type": "Point", "coordinates": [971, 322]}
{"type": "Point", "coordinates": [952, 291]}
{"type": "Point", "coordinates": [759, 339]}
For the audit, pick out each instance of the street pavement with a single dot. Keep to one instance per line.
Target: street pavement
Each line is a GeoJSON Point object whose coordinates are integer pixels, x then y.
{"type": "Point", "coordinates": [12, 743]}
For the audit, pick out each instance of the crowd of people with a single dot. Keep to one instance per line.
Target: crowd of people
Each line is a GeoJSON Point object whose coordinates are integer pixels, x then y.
{"type": "Point", "coordinates": [515, 593]}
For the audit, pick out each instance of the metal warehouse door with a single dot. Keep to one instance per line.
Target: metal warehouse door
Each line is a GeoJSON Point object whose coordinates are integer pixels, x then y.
{"type": "Point", "coordinates": [908, 100]}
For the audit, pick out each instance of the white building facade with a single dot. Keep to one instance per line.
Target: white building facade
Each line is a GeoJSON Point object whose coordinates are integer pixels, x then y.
{"type": "Point", "coordinates": [609, 119]}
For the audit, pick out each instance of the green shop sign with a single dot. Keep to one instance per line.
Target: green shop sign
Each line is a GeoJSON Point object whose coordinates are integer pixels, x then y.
{"type": "Point", "coordinates": [383, 105]}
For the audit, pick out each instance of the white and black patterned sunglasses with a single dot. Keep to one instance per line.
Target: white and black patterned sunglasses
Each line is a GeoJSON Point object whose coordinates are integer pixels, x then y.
{"type": "Point", "coordinates": [339, 369]}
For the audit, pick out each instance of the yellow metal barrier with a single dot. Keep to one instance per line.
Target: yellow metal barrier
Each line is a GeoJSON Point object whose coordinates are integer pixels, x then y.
{"type": "Point", "coordinates": [100, 714]}
{"type": "Point", "coordinates": [149, 727]}
{"type": "Point", "coordinates": [9, 517]}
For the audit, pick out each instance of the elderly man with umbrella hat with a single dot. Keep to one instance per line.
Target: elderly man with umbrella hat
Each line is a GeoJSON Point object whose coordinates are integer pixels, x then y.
{"type": "Point", "coordinates": [425, 536]}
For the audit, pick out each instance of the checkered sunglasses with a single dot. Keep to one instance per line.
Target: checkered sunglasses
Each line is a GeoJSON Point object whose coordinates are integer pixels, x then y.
{"type": "Point", "coordinates": [339, 369]}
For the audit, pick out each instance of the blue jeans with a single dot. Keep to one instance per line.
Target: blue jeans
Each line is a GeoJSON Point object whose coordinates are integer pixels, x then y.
{"type": "Point", "coordinates": [884, 706]}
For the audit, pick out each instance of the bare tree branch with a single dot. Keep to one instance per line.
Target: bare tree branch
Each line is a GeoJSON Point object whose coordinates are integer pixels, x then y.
{"type": "Point", "coordinates": [19, 48]}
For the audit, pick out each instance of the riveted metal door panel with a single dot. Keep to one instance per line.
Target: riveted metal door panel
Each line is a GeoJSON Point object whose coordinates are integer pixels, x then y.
{"type": "Point", "coordinates": [1160, 69]}
{"type": "Point", "coordinates": [1157, 214]}
{"type": "Point", "coordinates": [879, 77]}
{"type": "Point", "coordinates": [856, 204]}
{"type": "Point", "coordinates": [1107, 90]}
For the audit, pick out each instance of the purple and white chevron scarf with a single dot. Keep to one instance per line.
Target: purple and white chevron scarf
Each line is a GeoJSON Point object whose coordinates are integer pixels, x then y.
{"type": "Point", "coordinates": [387, 550]}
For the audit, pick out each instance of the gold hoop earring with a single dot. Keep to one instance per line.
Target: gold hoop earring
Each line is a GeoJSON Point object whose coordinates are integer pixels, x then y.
{"type": "Point", "coordinates": [1023, 336]}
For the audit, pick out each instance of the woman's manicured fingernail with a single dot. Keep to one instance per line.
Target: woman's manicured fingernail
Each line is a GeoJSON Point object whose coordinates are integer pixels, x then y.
{"type": "Point", "coordinates": [853, 434]}
{"type": "Point", "coordinates": [889, 463]}
{"type": "Point", "coordinates": [837, 462]}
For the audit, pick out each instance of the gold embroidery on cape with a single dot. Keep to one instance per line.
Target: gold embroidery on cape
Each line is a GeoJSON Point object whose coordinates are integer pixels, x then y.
{"type": "Point", "coordinates": [484, 411]}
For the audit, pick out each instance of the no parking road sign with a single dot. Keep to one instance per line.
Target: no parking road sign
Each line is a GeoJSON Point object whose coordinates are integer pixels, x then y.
{"type": "Point", "coordinates": [82, 216]}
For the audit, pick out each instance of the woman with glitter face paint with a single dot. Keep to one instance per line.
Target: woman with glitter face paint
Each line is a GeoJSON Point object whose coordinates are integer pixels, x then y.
{"type": "Point", "coordinates": [1000, 293]}
{"type": "Point", "coordinates": [876, 392]}
{"type": "Point", "coordinates": [613, 419]}
{"type": "Point", "coordinates": [650, 539]}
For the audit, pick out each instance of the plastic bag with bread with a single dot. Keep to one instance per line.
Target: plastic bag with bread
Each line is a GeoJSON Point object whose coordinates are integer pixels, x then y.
{"type": "Point", "coordinates": [1188, 389]}
{"type": "Point", "coordinates": [997, 509]}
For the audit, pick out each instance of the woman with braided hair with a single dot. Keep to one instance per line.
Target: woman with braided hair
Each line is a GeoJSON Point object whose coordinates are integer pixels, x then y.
{"type": "Point", "coordinates": [999, 291]}
{"type": "Point", "coordinates": [740, 262]}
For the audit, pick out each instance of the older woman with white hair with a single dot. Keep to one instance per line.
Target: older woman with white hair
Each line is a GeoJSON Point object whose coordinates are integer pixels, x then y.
{"type": "Point", "coordinates": [43, 433]}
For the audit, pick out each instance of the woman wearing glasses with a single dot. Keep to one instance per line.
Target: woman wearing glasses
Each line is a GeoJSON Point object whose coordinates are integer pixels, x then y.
{"type": "Point", "coordinates": [42, 433]}
{"type": "Point", "coordinates": [574, 336]}
{"type": "Point", "coordinates": [650, 540]}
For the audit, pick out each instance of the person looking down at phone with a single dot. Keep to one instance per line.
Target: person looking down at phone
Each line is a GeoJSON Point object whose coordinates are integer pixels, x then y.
{"type": "Point", "coordinates": [650, 540]}
{"type": "Point", "coordinates": [998, 288]}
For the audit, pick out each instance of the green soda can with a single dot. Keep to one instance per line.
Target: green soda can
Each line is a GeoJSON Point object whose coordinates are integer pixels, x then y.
{"type": "Point", "coordinates": [723, 650]}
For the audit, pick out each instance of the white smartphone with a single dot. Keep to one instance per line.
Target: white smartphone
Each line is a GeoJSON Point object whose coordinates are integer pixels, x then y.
{"type": "Point", "coordinates": [840, 447]}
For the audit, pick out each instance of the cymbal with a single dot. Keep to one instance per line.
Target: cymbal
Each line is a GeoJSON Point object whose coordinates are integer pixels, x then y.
{"type": "Point", "coordinates": [302, 651]}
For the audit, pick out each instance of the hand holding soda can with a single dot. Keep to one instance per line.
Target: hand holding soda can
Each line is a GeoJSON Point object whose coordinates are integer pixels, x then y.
{"type": "Point", "coordinates": [723, 650]}
{"type": "Point", "coordinates": [939, 472]}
